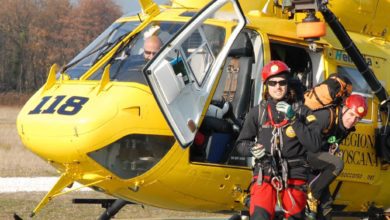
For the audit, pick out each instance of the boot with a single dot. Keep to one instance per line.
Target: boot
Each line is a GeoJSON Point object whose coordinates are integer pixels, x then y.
{"type": "Point", "coordinates": [312, 202]}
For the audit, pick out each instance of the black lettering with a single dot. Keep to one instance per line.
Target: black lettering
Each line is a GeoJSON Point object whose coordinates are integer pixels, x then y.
{"type": "Point", "coordinates": [354, 139]}
{"type": "Point", "coordinates": [372, 159]}
{"type": "Point", "coordinates": [72, 106]}
{"type": "Point", "coordinates": [347, 141]}
{"type": "Point", "coordinates": [52, 107]}
{"type": "Point", "coordinates": [350, 158]}
{"type": "Point", "coordinates": [359, 140]}
{"type": "Point", "coordinates": [363, 140]}
{"type": "Point", "coordinates": [371, 140]}
{"type": "Point", "coordinates": [362, 159]}
{"type": "Point", "coordinates": [38, 109]}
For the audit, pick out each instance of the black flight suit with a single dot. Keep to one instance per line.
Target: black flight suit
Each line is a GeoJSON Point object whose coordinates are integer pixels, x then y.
{"type": "Point", "coordinates": [329, 166]}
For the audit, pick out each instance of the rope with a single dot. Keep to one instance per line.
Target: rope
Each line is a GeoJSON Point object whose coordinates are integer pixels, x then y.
{"type": "Point", "coordinates": [279, 182]}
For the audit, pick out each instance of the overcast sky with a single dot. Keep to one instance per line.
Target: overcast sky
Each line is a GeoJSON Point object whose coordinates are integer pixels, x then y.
{"type": "Point", "coordinates": [129, 6]}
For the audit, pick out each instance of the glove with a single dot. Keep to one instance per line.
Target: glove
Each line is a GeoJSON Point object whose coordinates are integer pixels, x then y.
{"type": "Point", "coordinates": [286, 109]}
{"type": "Point", "coordinates": [258, 151]}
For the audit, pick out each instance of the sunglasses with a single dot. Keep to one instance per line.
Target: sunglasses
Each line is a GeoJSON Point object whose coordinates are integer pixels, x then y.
{"type": "Point", "coordinates": [281, 83]}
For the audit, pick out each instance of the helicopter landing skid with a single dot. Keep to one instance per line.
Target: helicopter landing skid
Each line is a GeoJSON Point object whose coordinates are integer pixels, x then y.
{"type": "Point", "coordinates": [112, 206]}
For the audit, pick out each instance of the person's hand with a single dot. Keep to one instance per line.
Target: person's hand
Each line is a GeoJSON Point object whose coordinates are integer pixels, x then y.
{"type": "Point", "coordinates": [217, 112]}
{"type": "Point", "coordinates": [258, 151]}
{"type": "Point", "coordinates": [286, 109]}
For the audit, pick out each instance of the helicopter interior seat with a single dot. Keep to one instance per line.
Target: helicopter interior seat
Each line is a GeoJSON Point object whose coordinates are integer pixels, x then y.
{"type": "Point", "coordinates": [232, 98]}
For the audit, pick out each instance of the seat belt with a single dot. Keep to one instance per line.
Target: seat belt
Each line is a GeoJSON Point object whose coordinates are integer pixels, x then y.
{"type": "Point", "coordinates": [231, 81]}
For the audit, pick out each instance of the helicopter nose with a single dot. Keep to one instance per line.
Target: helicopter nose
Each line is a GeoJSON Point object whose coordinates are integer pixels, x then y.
{"type": "Point", "coordinates": [57, 127]}
{"type": "Point", "coordinates": [60, 137]}
{"type": "Point", "coordinates": [65, 128]}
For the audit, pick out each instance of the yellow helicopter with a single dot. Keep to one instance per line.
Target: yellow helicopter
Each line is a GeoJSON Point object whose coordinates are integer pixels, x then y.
{"type": "Point", "coordinates": [154, 132]}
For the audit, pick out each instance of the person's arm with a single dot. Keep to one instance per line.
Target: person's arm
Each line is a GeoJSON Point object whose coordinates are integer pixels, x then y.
{"type": "Point", "coordinates": [246, 138]}
{"type": "Point", "coordinates": [345, 134]}
{"type": "Point", "coordinates": [308, 129]}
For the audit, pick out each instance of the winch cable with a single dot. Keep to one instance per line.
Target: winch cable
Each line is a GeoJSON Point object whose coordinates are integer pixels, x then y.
{"type": "Point", "coordinates": [356, 56]}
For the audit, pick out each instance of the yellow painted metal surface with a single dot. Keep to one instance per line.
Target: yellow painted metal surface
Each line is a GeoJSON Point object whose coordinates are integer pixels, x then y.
{"type": "Point", "coordinates": [117, 109]}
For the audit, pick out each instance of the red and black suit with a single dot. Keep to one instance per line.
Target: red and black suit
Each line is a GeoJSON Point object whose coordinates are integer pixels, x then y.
{"type": "Point", "coordinates": [297, 137]}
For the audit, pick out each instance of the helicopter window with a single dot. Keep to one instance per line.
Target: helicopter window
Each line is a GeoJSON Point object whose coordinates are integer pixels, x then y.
{"type": "Point", "coordinates": [127, 65]}
{"type": "Point", "coordinates": [86, 58]}
{"type": "Point", "coordinates": [188, 14]}
{"type": "Point", "coordinates": [359, 83]}
{"type": "Point", "coordinates": [201, 48]}
{"type": "Point", "coordinates": [133, 155]}
{"type": "Point", "coordinates": [298, 59]}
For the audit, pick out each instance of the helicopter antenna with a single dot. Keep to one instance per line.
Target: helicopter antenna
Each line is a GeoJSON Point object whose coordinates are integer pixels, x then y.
{"type": "Point", "coordinates": [139, 18]}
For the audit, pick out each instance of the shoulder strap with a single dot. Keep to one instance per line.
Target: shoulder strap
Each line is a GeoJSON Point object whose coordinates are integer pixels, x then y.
{"type": "Point", "coordinates": [332, 119]}
{"type": "Point", "coordinates": [231, 79]}
{"type": "Point", "coordinates": [261, 116]}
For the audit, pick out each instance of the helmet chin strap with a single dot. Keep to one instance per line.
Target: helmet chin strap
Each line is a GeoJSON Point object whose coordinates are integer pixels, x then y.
{"type": "Point", "coordinates": [343, 112]}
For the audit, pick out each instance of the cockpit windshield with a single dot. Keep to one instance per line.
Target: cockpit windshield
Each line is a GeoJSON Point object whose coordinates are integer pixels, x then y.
{"type": "Point", "coordinates": [84, 60]}
{"type": "Point", "coordinates": [129, 60]}
{"type": "Point", "coordinates": [127, 64]}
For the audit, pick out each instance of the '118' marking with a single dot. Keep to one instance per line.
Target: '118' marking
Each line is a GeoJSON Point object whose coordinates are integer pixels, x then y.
{"type": "Point", "coordinates": [71, 106]}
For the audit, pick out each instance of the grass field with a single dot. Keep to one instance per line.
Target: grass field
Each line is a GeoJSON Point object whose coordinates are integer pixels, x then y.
{"type": "Point", "coordinates": [62, 208]}
{"type": "Point", "coordinates": [17, 161]}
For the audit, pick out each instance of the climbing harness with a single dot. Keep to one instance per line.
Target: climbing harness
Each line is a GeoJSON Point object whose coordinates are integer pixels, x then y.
{"type": "Point", "coordinates": [279, 180]}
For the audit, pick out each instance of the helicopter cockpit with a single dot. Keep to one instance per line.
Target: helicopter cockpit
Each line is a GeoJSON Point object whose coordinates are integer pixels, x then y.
{"type": "Point", "coordinates": [127, 64]}
{"type": "Point", "coordinates": [135, 154]}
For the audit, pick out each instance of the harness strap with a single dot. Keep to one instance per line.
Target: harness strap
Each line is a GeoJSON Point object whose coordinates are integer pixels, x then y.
{"type": "Point", "coordinates": [297, 162]}
{"type": "Point", "coordinates": [302, 188]}
{"type": "Point", "coordinates": [266, 162]}
{"type": "Point", "coordinates": [278, 125]}
{"type": "Point", "coordinates": [333, 119]}
{"type": "Point", "coordinates": [317, 98]}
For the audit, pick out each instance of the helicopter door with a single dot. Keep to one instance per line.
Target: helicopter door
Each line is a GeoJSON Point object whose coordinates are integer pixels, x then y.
{"type": "Point", "coordinates": [186, 70]}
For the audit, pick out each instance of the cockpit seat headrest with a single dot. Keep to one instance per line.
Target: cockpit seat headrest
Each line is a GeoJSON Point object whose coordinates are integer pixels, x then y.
{"type": "Point", "coordinates": [242, 46]}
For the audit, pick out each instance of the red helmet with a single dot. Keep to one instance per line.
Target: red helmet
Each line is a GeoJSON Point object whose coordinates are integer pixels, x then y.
{"type": "Point", "coordinates": [273, 68]}
{"type": "Point", "coordinates": [358, 104]}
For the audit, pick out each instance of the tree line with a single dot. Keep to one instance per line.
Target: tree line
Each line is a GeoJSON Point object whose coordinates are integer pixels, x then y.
{"type": "Point", "coordinates": [34, 34]}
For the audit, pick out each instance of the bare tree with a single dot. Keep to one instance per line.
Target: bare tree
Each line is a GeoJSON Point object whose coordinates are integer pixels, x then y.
{"type": "Point", "coordinates": [37, 33]}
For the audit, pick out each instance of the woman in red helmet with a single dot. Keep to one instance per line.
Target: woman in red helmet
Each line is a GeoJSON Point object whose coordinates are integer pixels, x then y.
{"type": "Point", "coordinates": [278, 136]}
{"type": "Point", "coordinates": [335, 123]}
